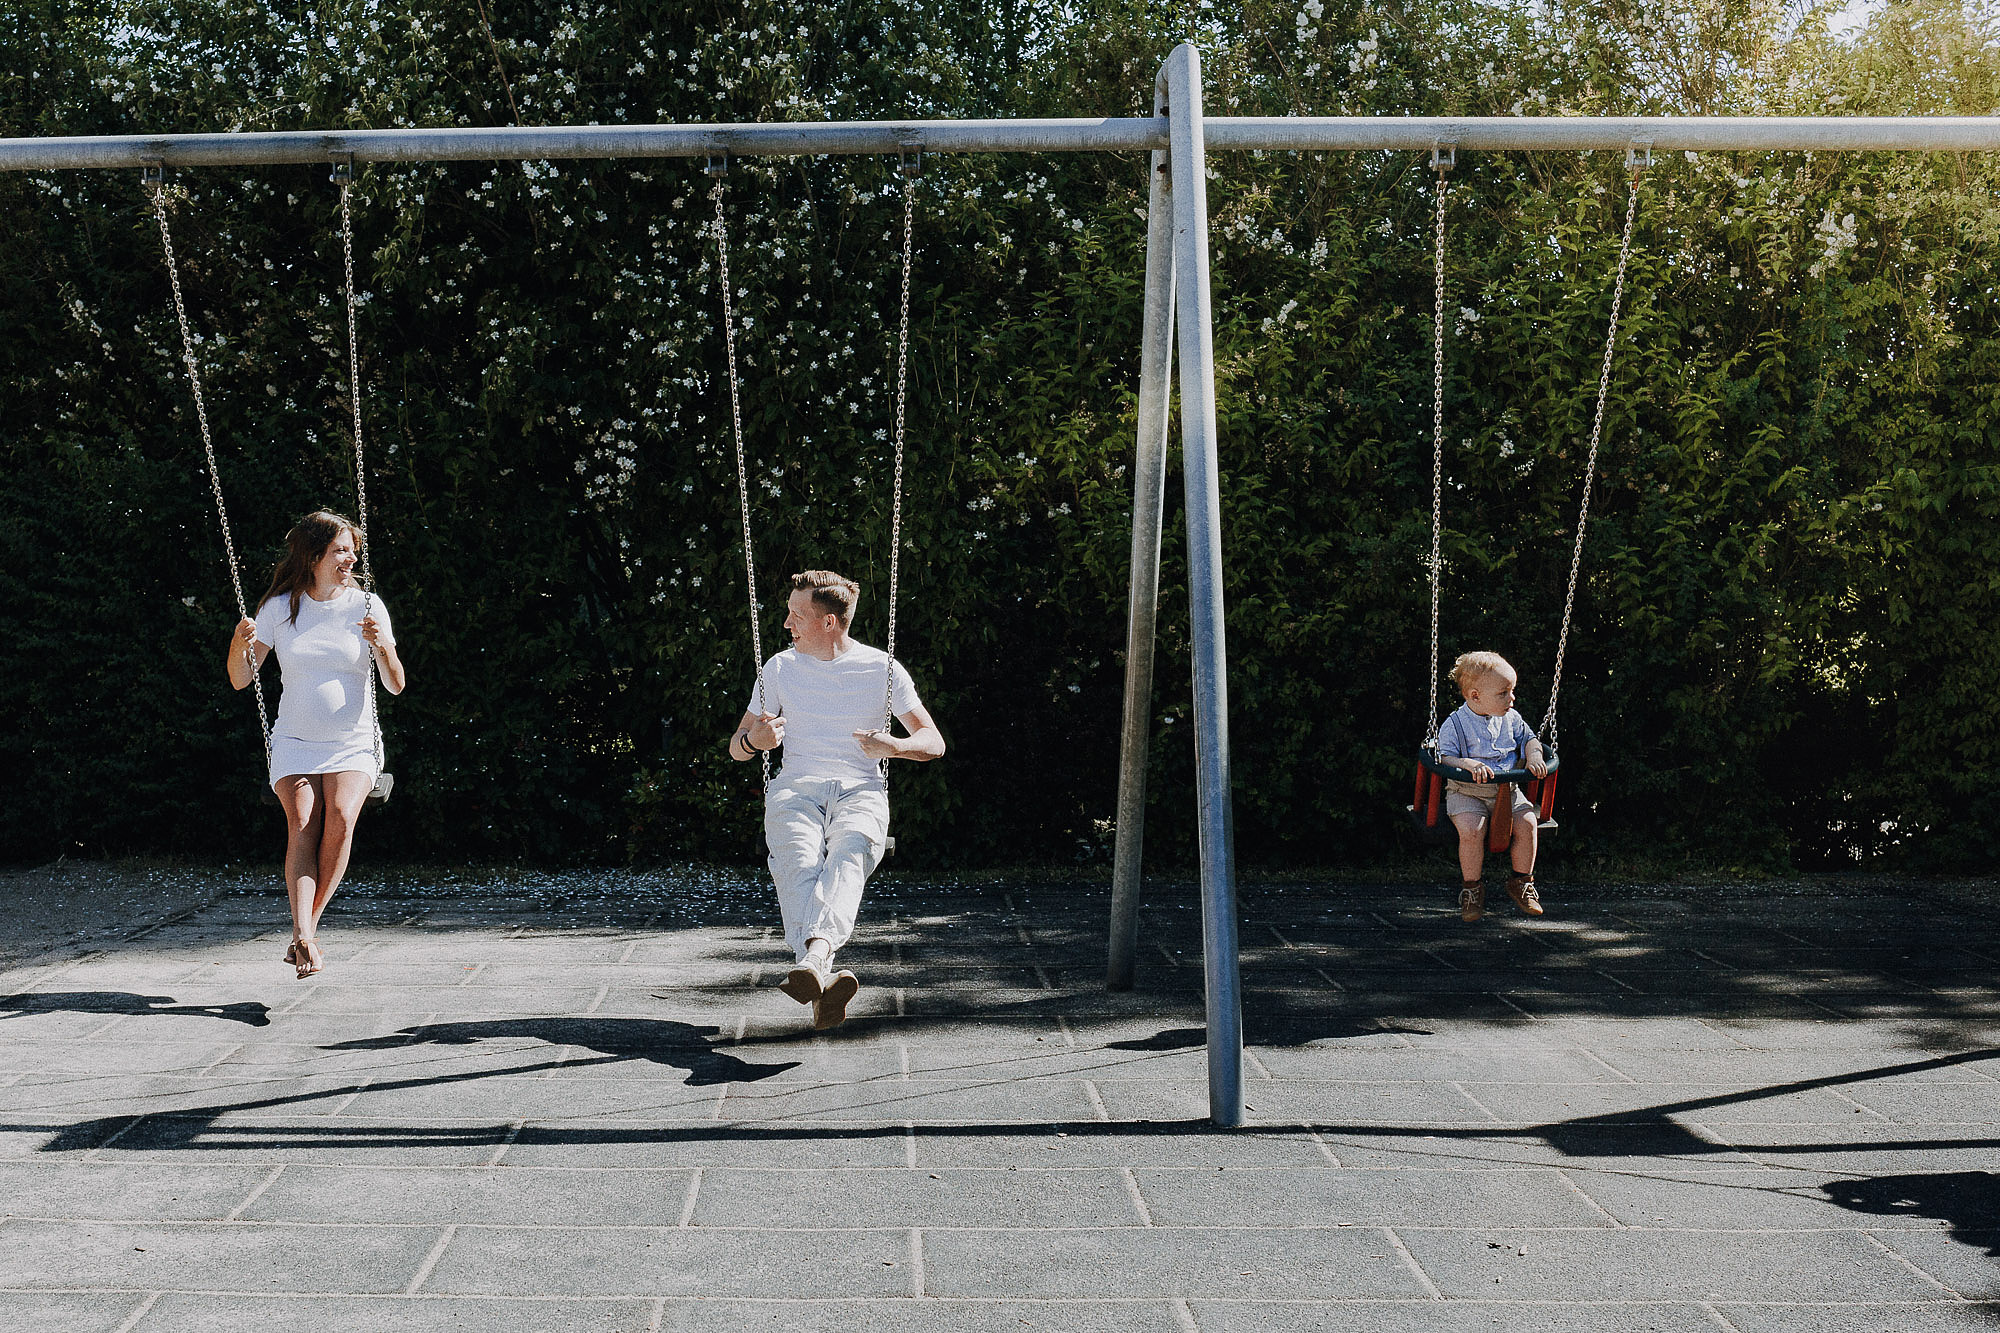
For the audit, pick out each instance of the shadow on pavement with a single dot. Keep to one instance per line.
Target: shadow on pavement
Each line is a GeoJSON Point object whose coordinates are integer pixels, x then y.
{"type": "Point", "coordinates": [1968, 1200]}
{"type": "Point", "coordinates": [256, 1014]}
{"type": "Point", "coordinates": [660, 1040]}
{"type": "Point", "coordinates": [1272, 1030]}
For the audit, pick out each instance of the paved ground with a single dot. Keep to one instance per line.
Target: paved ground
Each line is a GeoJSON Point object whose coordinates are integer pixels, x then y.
{"type": "Point", "coordinates": [577, 1103]}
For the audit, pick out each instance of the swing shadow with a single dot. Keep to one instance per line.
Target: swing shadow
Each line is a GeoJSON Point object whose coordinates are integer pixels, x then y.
{"type": "Point", "coordinates": [660, 1041]}
{"type": "Point", "coordinates": [254, 1013]}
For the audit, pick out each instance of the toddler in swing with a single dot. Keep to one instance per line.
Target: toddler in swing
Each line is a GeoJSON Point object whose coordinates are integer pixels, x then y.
{"type": "Point", "coordinates": [1486, 736]}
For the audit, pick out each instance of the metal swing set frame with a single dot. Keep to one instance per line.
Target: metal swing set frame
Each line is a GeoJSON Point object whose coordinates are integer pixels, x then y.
{"type": "Point", "coordinates": [1177, 318]}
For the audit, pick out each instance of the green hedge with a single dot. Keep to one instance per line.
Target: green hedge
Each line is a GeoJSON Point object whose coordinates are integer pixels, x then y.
{"type": "Point", "coordinates": [1785, 641]}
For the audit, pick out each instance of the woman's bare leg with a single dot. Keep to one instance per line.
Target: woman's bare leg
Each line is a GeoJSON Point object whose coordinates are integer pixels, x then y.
{"type": "Point", "coordinates": [304, 815]}
{"type": "Point", "coordinates": [344, 794]}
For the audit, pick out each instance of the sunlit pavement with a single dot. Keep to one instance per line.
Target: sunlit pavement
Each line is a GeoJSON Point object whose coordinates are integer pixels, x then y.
{"type": "Point", "coordinates": [578, 1102]}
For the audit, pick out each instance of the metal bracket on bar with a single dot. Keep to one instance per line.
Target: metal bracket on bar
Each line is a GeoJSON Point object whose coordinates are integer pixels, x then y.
{"type": "Point", "coordinates": [910, 157]}
{"type": "Point", "coordinates": [1444, 155]}
{"type": "Point", "coordinates": [343, 169]}
{"type": "Point", "coordinates": [1638, 157]}
{"type": "Point", "coordinates": [154, 173]}
{"type": "Point", "coordinates": [718, 162]}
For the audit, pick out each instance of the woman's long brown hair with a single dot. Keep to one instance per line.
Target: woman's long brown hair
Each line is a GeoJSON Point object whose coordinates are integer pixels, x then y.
{"type": "Point", "coordinates": [304, 545]}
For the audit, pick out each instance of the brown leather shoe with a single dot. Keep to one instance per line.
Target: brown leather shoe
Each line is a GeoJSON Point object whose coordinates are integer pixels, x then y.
{"type": "Point", "coordinates": [1472, 900]}
{"type": "Point", "coordinates": [1521, 888]}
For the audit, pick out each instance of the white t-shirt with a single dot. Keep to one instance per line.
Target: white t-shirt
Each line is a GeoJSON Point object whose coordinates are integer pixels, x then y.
{"type": "Point", "coordinates": [324, 664]}
{"type": "Point", "coordinates": [825, 703]}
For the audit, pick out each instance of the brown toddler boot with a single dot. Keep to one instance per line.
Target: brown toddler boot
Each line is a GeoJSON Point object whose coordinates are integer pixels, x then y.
{"type": "Point", "coordinates": [1521, 888]}
{"type": "Point", "coordinates": [1472, 900]}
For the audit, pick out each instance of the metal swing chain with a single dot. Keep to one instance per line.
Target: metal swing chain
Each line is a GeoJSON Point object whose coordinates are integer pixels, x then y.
{"type": "Point", "coordinates": [896, 512]}
{"type": "Point", "coordinates": [1636, 161]}
{"type": "Point", "coordinates": [1443, 158]}
{"type": "Point", "coordinates": [158, 188]}
{"type": "Point", "coordinates": [736, 430]}
{"type": "Point", "coordinates": [343, 175]}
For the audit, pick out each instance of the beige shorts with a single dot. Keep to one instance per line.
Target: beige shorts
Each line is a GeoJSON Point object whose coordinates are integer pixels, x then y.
{"type": "Point", "coordinates": [1477, 798]}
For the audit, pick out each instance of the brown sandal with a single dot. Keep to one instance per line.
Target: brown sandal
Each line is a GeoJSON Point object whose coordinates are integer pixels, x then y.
{"type": "Point", "coordinates": [307, 958]}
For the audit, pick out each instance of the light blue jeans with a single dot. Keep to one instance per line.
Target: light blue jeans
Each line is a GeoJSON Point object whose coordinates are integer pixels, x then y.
{"type": "Point", "coordinates": [826, 836]}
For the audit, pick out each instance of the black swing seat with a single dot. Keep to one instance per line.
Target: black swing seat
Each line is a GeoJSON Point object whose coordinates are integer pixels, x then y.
{"type": "Point", "coordinates": [1426, 810]}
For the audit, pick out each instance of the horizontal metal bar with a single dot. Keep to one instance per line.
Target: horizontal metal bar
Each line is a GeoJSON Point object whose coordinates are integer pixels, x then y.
{"type": "Point", "coordinates": [1577, 133]}
{"type": "Point", "coordinates": [1114, 134]}
{"type": "Point", "coordinates": [531, 143]}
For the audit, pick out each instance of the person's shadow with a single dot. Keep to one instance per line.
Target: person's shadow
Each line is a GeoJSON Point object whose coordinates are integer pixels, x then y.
{"type": "Point", "coordinates": [1969, 1201]}
{"type": "Point", "coordinates": [661, 1041]}
{"type": "Point", "coordinates": [256, 1014]}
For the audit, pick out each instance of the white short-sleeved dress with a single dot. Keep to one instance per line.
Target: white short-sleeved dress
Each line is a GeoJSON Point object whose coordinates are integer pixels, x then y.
{"type": "Point", "coordinates": [325, 719]}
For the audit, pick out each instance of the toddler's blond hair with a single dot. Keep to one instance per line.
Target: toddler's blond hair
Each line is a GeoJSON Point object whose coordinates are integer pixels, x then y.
{"type": "Point", "coordinates": [1471, 666]}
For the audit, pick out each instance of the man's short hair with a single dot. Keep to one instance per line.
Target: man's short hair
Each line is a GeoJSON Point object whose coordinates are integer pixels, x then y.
{"type": "Point", "coordinates": [832, 594]}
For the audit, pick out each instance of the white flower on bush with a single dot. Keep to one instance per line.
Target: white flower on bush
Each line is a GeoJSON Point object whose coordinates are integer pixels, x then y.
{"type": "Point", "coordinates": [1834, 237]}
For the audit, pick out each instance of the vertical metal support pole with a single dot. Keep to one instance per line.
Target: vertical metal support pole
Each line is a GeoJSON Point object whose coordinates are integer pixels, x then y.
{"type": "Point", "coordinates": [1187, 162]}
{"type": "Point", "coordinates": [1149, 488]}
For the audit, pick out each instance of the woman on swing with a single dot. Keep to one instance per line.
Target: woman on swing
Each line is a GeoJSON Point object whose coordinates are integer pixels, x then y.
{"type": "Point", "coordinates": [326, 753]}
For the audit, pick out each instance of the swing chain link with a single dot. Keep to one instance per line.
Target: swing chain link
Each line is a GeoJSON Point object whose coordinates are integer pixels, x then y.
{"type": "Point", "coordinates": [1444, 156]}
{"type": "Point", "coordinates": [1637, 159]}
{"type": "Point", "coordinates": [343, 176]}
{"type": "Point", "coordinates": [896, 512]}
{"type": "Point", "coordinates": [736, 431]}
{"type": "Point", "coordinates": [155, 182]}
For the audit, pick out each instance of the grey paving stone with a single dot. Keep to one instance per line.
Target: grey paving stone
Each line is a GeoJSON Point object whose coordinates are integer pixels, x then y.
{"type": "Point", "coordinates": [1329, 1197]}
{"type": "Point", "coordinates": [275, 1140]}
{"type": "Point", "coordinates": [276, 977]}
{"type": "Point", "coordinates": [77, 1096]}
{"type": "Point", "coordinates": [1962, 1260]}
{"type": "Point", "coordinates": [1886, 1045]}
{"type": "Point", "coordinates": [1329, 1060]}
{"type": "Point", "coordinates": [1773, 1198]}
{"type": "Point", "coordinates": [1455, 1316]}
{"type": "Point", "coordinates": [930, 1101]}
{"type": "Point", "coordinates": [1863, 1149]}
{"type": "Point", "coordinates": [503, 1099]}
{"type": "Point", "coordinates": [100, 1057]}
{"type": "Point", "coordinates": [1527, 1103]}
{"type": "Point", "coordinates": [1167, 1262]}
{"type": "Point", "coordinates": [1607, 1036]}
{"type": "Point", "coordinates": [675, 1262]}
{"type": "Point", "coordinates": [67, 1312]}
{"type": "Point", "coordinates": [918, 1316]}
{"type": "Point", "coordinates": [1635, 1263]}
{"type": "Point", "coordinates": [123, 1191]}
{"type": "Point", "coordinates": [1086, 1143]}
{"type": "Point", "coordinates": [789, 1146]}
{"type": "Point", "coordinates": [993, 1197]}
{"type": "Point", "coordinates": [41, 1142]}
{"type": "Point", "coordinates": [1932, 1316]}
{"type": "Point", "coordinates": [1604, 1147]}
{"type": "Point", "coordinates": [1773, 1067]}
{"type": "Point", "coordinates": [496, 1195]}
{"type": "Point", "coordinates": [207, 1255]}
{"type": "Point", "coordinates": [50, 1025]}
{"type": "Point", "coordinates": [1931, 1103]}
{"type": "Point", "coordinates": [1295, 1101]}
{"type": "Point", "coordinates": [182, 1313]}
{"type": "Point", "coordinates": [451, 1001]}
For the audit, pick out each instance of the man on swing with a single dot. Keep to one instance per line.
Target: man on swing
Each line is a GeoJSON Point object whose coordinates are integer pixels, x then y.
{"type": "Point", "coordinates": [826, 814]}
